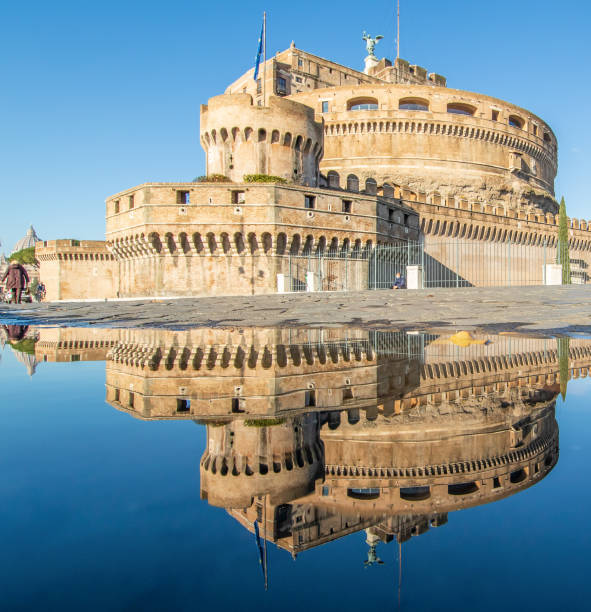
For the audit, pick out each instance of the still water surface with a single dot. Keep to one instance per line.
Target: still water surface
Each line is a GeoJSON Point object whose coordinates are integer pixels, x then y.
{"type": "Point", "coordinates": [135, 465]}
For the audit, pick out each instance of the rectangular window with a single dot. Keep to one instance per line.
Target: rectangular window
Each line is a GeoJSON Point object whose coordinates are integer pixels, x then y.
{"type": "Point", "coordinates": [298, 79]}
{"type": "Point", "coordinates": [391, 215]}
{"type": "Point", "coordinates": [116, 206]}
{"type": "Point", "coordinates": [325, 491]}
{"type": "Point", "coordinates": [183, 197]}
{"type": "Point", "coordinates": [300, 62]}
{"type": "Point", "coordinates": [535, 130]}
{"type": "Point", "coordinates": [131, 399]}
{"type": "Point", "coordinates": [74, 357]}
{"type": "Point", "coordinates": [131, 202]}
{"type": "Point", "coordinates": [325, 106]}
{"type": "Point", "coordinates": [183, 405]}
{"type": "Point", "coordinates": [347, 393]}
{"type": "Point", "coordinates": [259, 86]}
{"type": "Point", "coordinates": [281, 85]}
{"type": "Point", "coordinates": [117, 395]}
{"type": "Point", "coordinates": [236, 405]}
{"type": "Point", "coordinates": [496, 483]}
{"type": "Point", "coordinates": [310, 400]}
{"type": "Point", "coordinates": [346, 206]}
{"type": "Point", "coordinates": [406, 219]}
{"type": "Point", "coordinates": [309, 201]}
{"type": "Point", "coordinates": [238, 197]}
{"type": "Point", "coordinates": [495, 115]}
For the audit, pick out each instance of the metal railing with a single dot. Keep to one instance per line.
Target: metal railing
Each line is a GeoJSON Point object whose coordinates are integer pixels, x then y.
{"type": "Point", "coordinates": [446, 263]}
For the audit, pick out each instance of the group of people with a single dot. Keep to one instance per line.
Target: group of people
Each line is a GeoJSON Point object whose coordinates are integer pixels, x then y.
{"type": "Point", "coordinates": [16, 280]}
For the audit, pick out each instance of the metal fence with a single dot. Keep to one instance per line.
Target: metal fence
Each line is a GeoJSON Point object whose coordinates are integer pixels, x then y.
{"type": "Point", "coordinates": [452, 263]}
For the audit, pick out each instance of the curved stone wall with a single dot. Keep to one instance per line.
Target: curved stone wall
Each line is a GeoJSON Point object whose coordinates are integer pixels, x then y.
{"type": "Point", "coordinates": [282, 139]}
{"type": "Point", "coordinates": [460, 143]}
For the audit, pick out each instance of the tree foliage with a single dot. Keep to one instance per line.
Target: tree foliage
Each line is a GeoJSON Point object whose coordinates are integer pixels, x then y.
{"type": "Point", "coordinates": [563, 255]}
{"type": "Point", "coordinates": [26, 256]}
{"type": "Point", "coordinates": [563, 346]}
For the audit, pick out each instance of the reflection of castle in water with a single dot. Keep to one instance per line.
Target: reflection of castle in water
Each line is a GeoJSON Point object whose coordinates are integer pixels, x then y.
{"type": "Point", "coordinates": [317, 434]}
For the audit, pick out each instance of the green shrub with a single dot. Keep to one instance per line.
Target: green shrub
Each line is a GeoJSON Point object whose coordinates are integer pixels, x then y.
{"type": "Point", "coordinates": [27, 345]}
{"type": "Point", "coordinates": [263, 178]}
{"type": "Point", "coordinates": [26, 256]}
{"type": "Point", "coordinates": [263, 422]}
{"type": "Point", "coordinates": [212, 178]}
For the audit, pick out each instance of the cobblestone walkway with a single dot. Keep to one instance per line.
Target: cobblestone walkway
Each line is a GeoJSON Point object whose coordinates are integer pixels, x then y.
{"type": "Point", "coordinates": [566, 308]}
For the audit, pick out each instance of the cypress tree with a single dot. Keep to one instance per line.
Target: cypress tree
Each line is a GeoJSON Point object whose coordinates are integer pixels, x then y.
{"type": "Point", "coordinates": [562, 255]}
{"type": "Point", "coordinates": [563, 346]}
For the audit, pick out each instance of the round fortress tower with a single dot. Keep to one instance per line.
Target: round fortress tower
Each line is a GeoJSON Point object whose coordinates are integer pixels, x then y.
{"type": "Point", "coordinates": [433, 139]}
{"type": "Point", "coordinates": [245, 459]}
{"type": "Point", "coordinates": [281, 139]}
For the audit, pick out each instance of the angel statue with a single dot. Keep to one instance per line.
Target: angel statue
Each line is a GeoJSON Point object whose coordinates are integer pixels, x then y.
{"type": "Point", "coordinates": [370, 43]}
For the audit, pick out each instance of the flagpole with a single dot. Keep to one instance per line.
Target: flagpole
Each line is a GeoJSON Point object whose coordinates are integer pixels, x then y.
{"type": "Point", "coordinates": [265, 58]}
{"type": "Point", "coordinates": [397, 29]}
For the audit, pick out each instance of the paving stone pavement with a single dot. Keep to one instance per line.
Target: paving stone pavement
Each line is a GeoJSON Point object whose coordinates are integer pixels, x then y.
{"type": "Point", "coordinates": [565, 309]}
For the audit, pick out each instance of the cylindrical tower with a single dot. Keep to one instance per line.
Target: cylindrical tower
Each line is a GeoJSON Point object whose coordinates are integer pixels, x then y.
{"type": "Point", "coordinates": [247, 458]}
{"type": "Point", "coordinates": [460, 144]}
{"type": "Point", "coordinates": [281, 139]}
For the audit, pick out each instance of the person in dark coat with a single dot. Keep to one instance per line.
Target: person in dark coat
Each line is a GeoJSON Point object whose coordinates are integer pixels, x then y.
{"type": "Point", "coordinates": [16, 278]}
{"type": "Point", "coordinates": [15, 333]}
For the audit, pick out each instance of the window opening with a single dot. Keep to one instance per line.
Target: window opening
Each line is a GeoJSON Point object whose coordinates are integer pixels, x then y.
{"type": "Point", "coordinates": [281, 85]}
{"type": "Point", "coordinates": [367, 106]}
{"type": "Point", "coordinates": [238, 197]}
{"type": "Point", "coordinates": [346, 206]}
{"type": "Point", "coordinates": [183, 405]}
{"type": "Point", "coordinates": [325, 106]}
{"type": "Point", "coordinates": [309, 201]}
{"type": "Point", "coordinates": [183, 197]}
{"type": "Point", "coordinates": [310, 399]}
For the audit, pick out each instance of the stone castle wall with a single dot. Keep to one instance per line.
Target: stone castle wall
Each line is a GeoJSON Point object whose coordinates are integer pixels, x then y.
{"type": "Point", "coordinates": [72, 269]}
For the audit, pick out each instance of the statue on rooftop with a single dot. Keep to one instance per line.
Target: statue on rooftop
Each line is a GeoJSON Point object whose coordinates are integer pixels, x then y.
{"type": "Point", "coordinates": [370, 43]}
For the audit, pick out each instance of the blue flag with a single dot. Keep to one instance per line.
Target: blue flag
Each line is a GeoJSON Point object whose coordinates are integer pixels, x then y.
{"type": "Point", "coordinates": [259, 53]}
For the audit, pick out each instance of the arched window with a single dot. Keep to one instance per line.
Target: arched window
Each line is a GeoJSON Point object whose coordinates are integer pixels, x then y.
{"type": "Point", "coordinates": [352, 183]}
{"type": "Point", "coordinates": [334, 180]}
{"type": "Point", "coordinates": [358, 104]}
{"type": "Point", "coordinates": [457, 108]}
{"type": "Point", "coordinates": [516, 122]}
{"type": "Point", "coordinates": [371, 186]}
{"type": "Point", "coordinates": [416, 104]}
{"type": "Point", "coordinates": [547, 137]}
{"type": "Point", "coordinates": [372, 493]}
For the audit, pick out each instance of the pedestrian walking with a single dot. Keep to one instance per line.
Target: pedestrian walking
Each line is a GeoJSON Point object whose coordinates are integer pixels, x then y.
{"type": "Point", "coordinates": [16, 278]}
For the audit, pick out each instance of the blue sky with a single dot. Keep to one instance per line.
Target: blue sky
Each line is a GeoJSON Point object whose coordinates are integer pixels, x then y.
{"type": "Point", "coordinates": [98, 97]}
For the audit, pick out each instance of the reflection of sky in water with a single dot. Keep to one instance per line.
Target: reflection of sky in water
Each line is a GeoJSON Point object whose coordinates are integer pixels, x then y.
{"type": "Point", "coordinates": [102, 511]}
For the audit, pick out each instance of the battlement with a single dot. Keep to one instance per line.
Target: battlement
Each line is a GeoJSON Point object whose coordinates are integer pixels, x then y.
{"type": "Point", "coordinates": [403, 72]}
{"type": "Point", "coordinates": [73, 250]}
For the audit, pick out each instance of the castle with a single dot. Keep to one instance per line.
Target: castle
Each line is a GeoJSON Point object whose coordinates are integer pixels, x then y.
{"type": "Point", "coordinates": [313, 433]}
{"type": "Point", "coordinates": [387, 156]}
